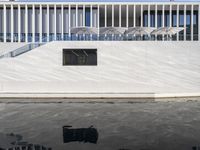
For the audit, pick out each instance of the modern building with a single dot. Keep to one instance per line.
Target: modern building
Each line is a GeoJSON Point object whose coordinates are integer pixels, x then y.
{"type": "Point", "coordinates": [43, 21]}
{"type": "Point", "coordinates": [103, 48]}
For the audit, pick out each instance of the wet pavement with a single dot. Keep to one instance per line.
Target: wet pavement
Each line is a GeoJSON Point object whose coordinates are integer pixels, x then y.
{"type": "Point", "coordinates": [115, 126]}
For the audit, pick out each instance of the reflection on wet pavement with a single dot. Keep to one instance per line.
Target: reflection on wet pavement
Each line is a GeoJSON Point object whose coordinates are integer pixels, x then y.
{"type": "Point", "coordinates": [15, 142]}
{"type": "Point", "coordinates": [119, 126]}
{"type": "Point", "coordinates": [86, 135]}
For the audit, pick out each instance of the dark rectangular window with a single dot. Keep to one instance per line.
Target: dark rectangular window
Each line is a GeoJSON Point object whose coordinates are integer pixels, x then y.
{"type": "Point", "coordinates": [87, 17]}
{"type": "Point", "coordinates": [159, 22]}
{"type": "Point", "coordinates": [80, 57]}
{"type": "Point", "coordinates": [181, 24]}
{"type": "Point", "coordinates": [196, 30]}
{"type": "Point", "coordinates": [167, 19]}
{"type": "Point", "coordinates": [152, 18]}
{"type": "Point", "coordinates": [188, 25]}
{"type": "Point", "coordinates": [174, 19]}
{"type": "Point", "coordinates": [145, 19]}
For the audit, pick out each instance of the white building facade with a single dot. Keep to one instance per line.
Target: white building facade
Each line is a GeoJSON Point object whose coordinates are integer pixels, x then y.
{"type": "Point", "coordinates": [47, 21]}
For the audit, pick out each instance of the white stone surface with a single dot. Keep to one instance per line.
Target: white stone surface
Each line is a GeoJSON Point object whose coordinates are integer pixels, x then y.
{"type": "Point", "coordinates": [7, 47]}
{"type": "Point", "coordinates": [123, 67]}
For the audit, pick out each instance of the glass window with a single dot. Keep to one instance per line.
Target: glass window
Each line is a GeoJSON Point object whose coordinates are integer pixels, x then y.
{"type": "Point", "coordinates": [167, 19]}
{"type": "Point", "coordinates": [87, 17]}
{"type": "Point", "coordinates": [195, 28]}
{"type": "Point", "coordinates": [152, 18]}
{"type": "Point", "coordinates": [174, 19]}
{"type": "Point", "coordinates": [79, 57]}
{"type": "Point", "coordinates": [145, 19]}
{"type": "Point", "coordinates": [159, 23]}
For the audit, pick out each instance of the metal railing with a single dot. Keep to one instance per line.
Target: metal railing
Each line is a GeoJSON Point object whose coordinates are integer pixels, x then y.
{"type": "Point", "coordinates": [96, 37]}
{"type": "Point", "coordinates": [21, 50]}
{"type": "Point", "coordinates": [24, 49]}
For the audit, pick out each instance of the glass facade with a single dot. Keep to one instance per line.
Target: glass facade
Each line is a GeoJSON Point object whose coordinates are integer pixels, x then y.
{"type": "Point", "coordinates": [27, 25]}
{"type": "Point", "coordinates": [195, 28]}
{"type": "Point", "coordinates": [87, 17]}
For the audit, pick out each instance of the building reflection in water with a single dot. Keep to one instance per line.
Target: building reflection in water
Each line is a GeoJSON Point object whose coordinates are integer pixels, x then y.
{"type": "Point", "coordinates": [86, 135]}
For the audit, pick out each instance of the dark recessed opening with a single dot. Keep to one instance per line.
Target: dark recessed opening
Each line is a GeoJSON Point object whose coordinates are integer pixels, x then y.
{"type": "Point", "coordinates": [80, 57]}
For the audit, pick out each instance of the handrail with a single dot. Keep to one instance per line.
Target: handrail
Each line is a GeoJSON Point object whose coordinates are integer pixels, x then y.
{"type": "Point", "coordinates": [23, 49]}
{"type": "Point", "coordinates": [31, 46]}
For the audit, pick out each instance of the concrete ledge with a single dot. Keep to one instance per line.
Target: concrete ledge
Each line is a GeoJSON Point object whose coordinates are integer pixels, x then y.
{"type": "Point", "coordinates": [96, 97]}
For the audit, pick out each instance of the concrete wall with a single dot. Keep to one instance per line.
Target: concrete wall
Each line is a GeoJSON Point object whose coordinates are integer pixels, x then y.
{"type": "Point", "coordinates": [129, 67]}
{"type": "Point", "coordinates": [5, 48]}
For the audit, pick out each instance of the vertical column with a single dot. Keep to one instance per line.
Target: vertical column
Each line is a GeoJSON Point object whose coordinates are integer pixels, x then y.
{"type": "Point", "coordinates": [156, 16]}
{"type": "Point", "coordinates": [19, 23]}
{"type": "Point", "coordinates": [177, 21]}
{"type": "Point", "coordinates": [156, 19]}
{"type": "Point", "coordinates": [105, 15]}
{"type": "Point", "coordinates": [192, 22]}
{"type": "Point", "coordinates": [134, 18]}
{"type": "Point", "coordinates": [199, 23]}
{"type": "Point", "coordinates": [69, 9]}
{"type": "Point", "coordinates": [112, 15]}
{"type": "Point", "coordinates": [33, 24]}
{"type": "Point", "coordinates": [12, 23]}
{"type": "Point", "coordinates": [26, 23]}
{"type": "Point", "coordinates": [149, 17]}
{"type": "Point", "coordinates": [91, 18]}
{"type": "Point", "coordinates": [141, 16]}
{"type": "Point", "coordinates": [40, 24]}
{"type": "Point", "coordinates": [62, 22]}
{"type": "Point", "coordinates": [170, 16]}
{"type": "Point", "coordinates": [76, 16]}
{"type": "Point", "coordinates": [55, 35]}
{"type": "Point", "coordinates": [84, 15]}
{"type": "Point", "coordinates": [120, 9]}
{"type": "Point", "coordinates": [47, 23]}
{"type": "Point", "coordinates": [163, 20]}
{"type": "Point", "coordinates": [185, 14]}
{"type": "Point", "coordinates": [4, 21]}
{"type": "Point", "coordinates": [98, 19]}
{"type": "Point", "coordinates": [163, 16]}
{"type": "Point", "coordinates": [127, 14]}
